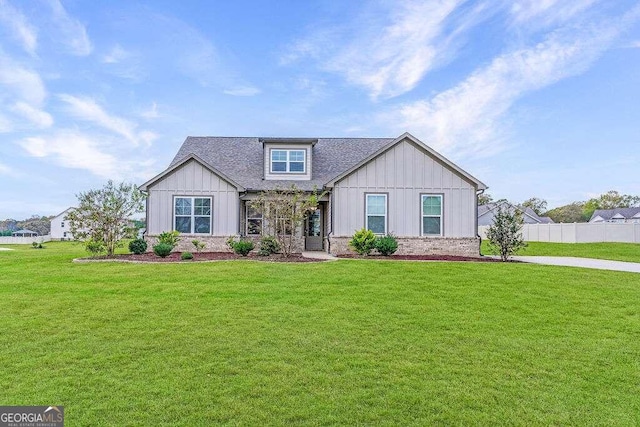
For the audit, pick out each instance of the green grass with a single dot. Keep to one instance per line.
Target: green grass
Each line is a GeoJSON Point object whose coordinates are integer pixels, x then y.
{"type": "Point", "coordinates": [342, 343]}
{"type": "Point", "coordinates": [613, 251]}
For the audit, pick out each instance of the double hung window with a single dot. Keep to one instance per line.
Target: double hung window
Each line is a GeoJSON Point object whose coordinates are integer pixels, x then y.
{"type": "Point", "coordinates": [192, 215]}
{"type": "Point", "coordinates": [288, 161]}
{"type": "Point", "coordinates": [376, 213]}
{"type": "Point", "coordinates": [431, 214]}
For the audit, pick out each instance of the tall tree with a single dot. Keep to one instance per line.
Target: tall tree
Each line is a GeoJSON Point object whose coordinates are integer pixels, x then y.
{"type": "Point", "coordinates": [539, 206]}
{"type": "Point", "coordinates": [573, 212]}
{"type": "Point", "coordinates": [103, 217]}
{"type": "Point", "coordinates": [39, 224]}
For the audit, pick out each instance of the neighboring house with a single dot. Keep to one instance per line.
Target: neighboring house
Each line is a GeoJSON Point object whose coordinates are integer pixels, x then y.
{"type": "Point", "coordinates": [24, 233]}
{"type": "Point", "coordinates": [391, 186]}
{"type": "Point", "coordinates": [61, 227]}
{"type": "Point", "coordinates": [486, 213]}
{"type": "Point", "coordinates": [616, 215]}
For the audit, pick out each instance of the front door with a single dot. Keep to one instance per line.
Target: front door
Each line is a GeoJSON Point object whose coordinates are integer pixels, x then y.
{"type": "Point", "coordinates": [313, 231]}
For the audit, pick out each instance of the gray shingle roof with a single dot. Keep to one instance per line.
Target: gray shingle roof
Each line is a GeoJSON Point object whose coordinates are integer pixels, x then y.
{"type": "Point", "coordinates": [241, 159]}
{"type": "Point", "coordinates": [607, 214]}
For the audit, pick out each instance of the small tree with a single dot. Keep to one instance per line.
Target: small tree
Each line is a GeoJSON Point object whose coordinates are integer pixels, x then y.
{"type": "Point", "coordinates": [505, 234]}
{"type": "Point", "coordinates": [104, 215]}
{"type": "Point", "coordinates": [284, 212]}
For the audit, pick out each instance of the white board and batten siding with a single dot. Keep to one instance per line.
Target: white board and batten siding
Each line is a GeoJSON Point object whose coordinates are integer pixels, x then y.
{"type": "Point", "coordinates": [405, 172]}
{"type": "Point", "coordinates": [193, 179]}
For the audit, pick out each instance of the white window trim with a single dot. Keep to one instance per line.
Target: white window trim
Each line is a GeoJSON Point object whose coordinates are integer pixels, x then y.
{"type": "Point", "coordinates": [288, 161]}
{"type": "Point", "coordinates": [193, 215]}
{"type": "Point", "coordinates": [422, 215]}
{"type": "Point", "coordinates": [246, 221]}
{"type": "Point", "coordinates": [386, 211]}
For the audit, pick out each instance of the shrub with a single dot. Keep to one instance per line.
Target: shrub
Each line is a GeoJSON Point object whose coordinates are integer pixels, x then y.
{"type": "Point", "coordinates": [231, 242]}
{"type": "Point", "coordinates": [387, 245]}
{"type": "Point", "coordinates": [94, 247]}
{"type": "Point", "coordinates": [505, 234]}
{"type": "Point", "coordinates": [363, 241]}
{"type": "Point", "coordinates": [35, 245]}
{"type": "Point", "coordinates": [162, 249]}
{"type": "Point", "coordinates": [186, 255]}
{"type": "Point", "coordinates": [170, 238]}
{"type": "Point", "coordinates": [137, 246]}
{"type": "Point", "coordinates": [268, 245]}
{"type": "Point", "coordinates": [198, 245]}
{"type": "Point", "coordinates": [243, 247]}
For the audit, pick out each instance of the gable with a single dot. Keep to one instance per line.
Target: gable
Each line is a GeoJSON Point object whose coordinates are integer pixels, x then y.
{"type": "Point", "coordinates": [191, 175]}
{"type": "Point", "coordinates": [409, 157]}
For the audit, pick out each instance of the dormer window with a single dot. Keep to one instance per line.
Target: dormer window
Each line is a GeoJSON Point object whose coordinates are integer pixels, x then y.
{"type": "Point", "coordinates": [288, 161]}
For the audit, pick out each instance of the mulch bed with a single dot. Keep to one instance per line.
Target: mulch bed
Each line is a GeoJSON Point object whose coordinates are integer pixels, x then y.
{"type": "Point", "coordinates": [423, 258]}
{"type": "Point", "coordinates": [202, 256]}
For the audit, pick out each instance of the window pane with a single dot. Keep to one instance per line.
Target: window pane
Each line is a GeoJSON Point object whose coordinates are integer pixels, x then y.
{"type": "Point", "coordinates": [431, 205]}
{"type": "Point", "coordinates": [183, 224]}
{"type": "Point", "coordinates": [253, 212]}
{"type": "Point", "coordinates": [296, 156]}
{"type": "Point", "coordinates": [376, 204]}
{"type": "Point", "coordinates": [296, 167]}
{"type": "Point", "coordinates": [254, 226]}
{"type": "Point", "coordinates": [279, 166]}
{"type": "Point", "coordinates": [202, 206]}
{"type": "Point", "coordinates": [376, 224]}
{"type": "Point", "coordinates": [183, 206]}
{"type": "Point", "coordinates": [431, 225]}
{"type": "Point", "coordinates": [279, 155]}
{"type": "Point", "coordinates": [202, 224]}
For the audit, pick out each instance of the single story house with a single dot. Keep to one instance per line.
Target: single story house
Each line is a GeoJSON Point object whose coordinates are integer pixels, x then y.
{"type": "Point", "coordinates": [486, 213]}
{"type": "Point", "coordinates": [24, 233]}
{"type": "Point", "coordinates": [620, 215]}
{"type": "Point", "coordinates": [60, 226]}
{"type": "Point", "coordinates": [396, 186]}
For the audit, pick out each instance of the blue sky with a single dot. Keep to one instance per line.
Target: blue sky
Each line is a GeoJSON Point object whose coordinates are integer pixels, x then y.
{"type": "Point", "coordinates": [535, 98]}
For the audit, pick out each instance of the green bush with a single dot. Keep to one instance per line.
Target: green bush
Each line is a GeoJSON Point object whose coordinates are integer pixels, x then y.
{"type": "Point", "coordinates": [363, 241]}
{"type": "Point", "coordinates": [243, 247]}
{"type": "Point", "coordinates": [268, 245]}
{"type": "Point", "coordinates": [94, 247]}
{"type": "Point", "coordinates": [387, 245]}
{"type": "Point", "coordinates": [186, 255]}
{"type": "Point", "coordinates": [170, 238]}
{"type": "Point", "coordinates": [137, 246]}
{"type": "Point", "coordinates": [162, 249]}
{"type": "Point", "coordinates": [231, 242]}
{"type": "Point", "coordinates": [198, 245]}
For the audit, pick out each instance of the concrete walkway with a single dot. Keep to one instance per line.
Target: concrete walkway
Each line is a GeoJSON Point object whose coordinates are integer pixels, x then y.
{"type": "Point", "coordinates": [600, 264]}
{"type": "Point", "coordinates": [319, 255]}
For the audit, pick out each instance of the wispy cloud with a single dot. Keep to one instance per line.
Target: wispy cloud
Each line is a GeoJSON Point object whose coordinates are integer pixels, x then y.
{"type": "Point", "coordinates": [85, 108]}
{"type": "Point", "coordinates": [469, 118]}
{"type": "Point", "coordinates": [151, 113]}
{"type": "Point", "coordinates": [546, 12]}
{"type": "Point", "coordinates": [36, 116]}
{"type": "Point", "coordinates": [24, 83]}
{"type": "Point", "coordinates": [5, 170]}
{"type": "Point", "coordinates": [116, 55]}
{"type": "Point", "coordinates": [71, 31]}
{"type": "Point", "coordinates": [243, 91]}
{"type": "Point", "coordinates": [19, 27]}
{"type": "Point", "coordinates": [387, 58]}
{"type": "Point", "coordinates": [73, 149]}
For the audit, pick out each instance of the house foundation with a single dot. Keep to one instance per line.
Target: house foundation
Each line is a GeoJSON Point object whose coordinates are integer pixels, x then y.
{"type": "Point", "coordinates": [457, 246]}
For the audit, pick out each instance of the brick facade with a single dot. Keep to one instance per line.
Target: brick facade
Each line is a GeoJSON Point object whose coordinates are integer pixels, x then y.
{"type": "Point", "coordinates": [459, 246]}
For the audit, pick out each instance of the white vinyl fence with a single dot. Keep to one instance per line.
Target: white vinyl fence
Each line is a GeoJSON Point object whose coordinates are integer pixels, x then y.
{"type": "Point", "coordinates": [577, 232]}
{"type": "Point", "coordinates": [8, 240]}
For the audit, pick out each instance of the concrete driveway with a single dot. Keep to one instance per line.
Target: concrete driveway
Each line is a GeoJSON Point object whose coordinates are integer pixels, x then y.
{"type": "Point", "coordinates": [600, 264]}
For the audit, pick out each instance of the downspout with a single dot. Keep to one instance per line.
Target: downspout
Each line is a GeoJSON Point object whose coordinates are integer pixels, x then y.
{"type": "Point", "coordinates": [478, 193]}
{"type": "Point", "coordinates": [330, 232]}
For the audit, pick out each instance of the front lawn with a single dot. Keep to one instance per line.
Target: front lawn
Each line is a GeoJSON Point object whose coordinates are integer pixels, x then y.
{"type": "Point", "coordinates": [347, 342]}
{"type": "Point", "coordinates": [613, 251]}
